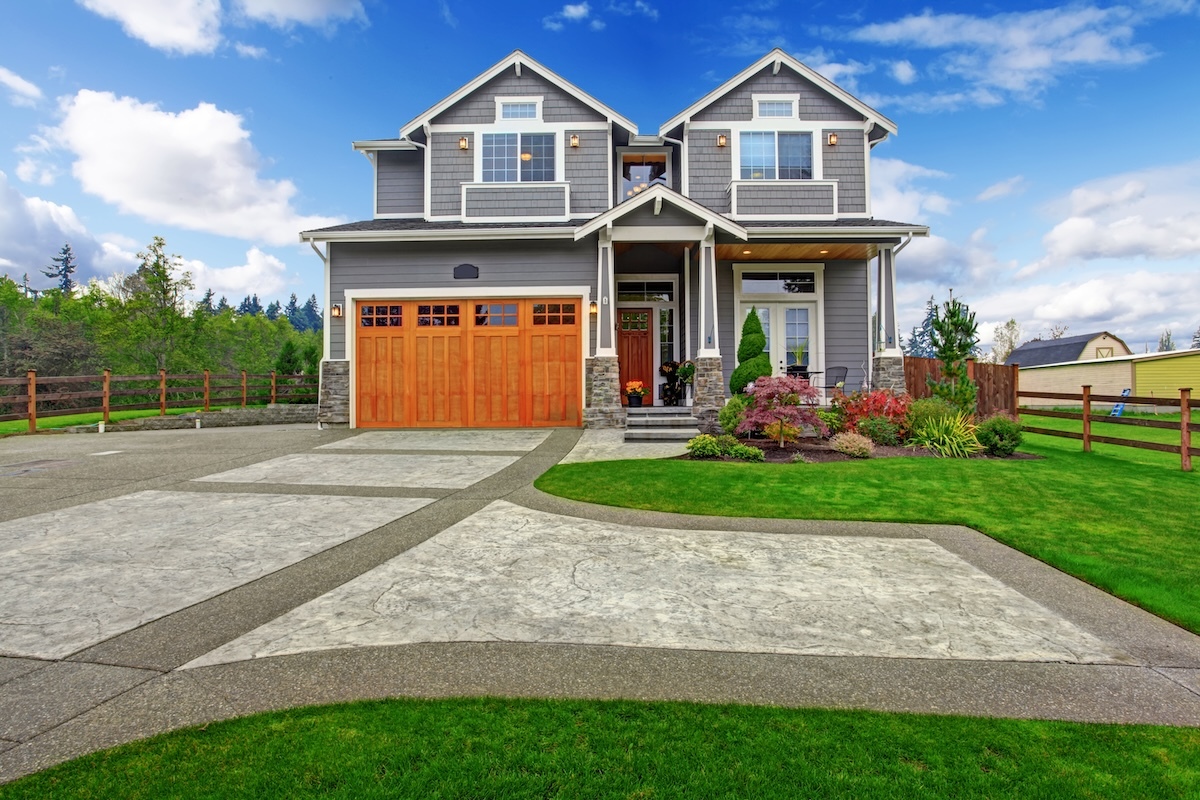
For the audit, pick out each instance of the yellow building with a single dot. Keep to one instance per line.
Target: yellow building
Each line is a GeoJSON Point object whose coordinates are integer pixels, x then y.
{"type": "Point", "coordinates": [1149, 375]}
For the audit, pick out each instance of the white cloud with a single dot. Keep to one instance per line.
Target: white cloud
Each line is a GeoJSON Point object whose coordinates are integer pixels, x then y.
{"type": "Point", "coordinates": [177, 26]}
{"type": "Point", "coordinates": [941, 264]}
{"type": "Point", "coordinates": [315, 13]}
{"type": "Point", "coordinates": [32, 171]}
{"type": "Point", "coordinates": [571, 12]}
{"type": "Point", "coordinates": [1004, 188]}
{"type": "Point", "coordinates": [597, 25]}
{"type": "Point", "coordinates": [843, 73]}
{"type": "Point", "coordinates": [447, 15]}
{"type": "Point", "coordinates": [637, 7]}
{"type": "Point", "coordinates": [1149, 214]}
{"type": "Point", "coordinates": [897, 195]}
{"type": "Point", "coordinates": [195, 169]}
{"type": "Point", "coordinates": [903, 72]}
{"type": "Point", "coordinates": [262, 274]}
{"type": "Point", "coordinates": [21, 91]}
{"type": "Point", "coordinates": [249, 50]}
{"type": "Point", "coordinates": [33, 230]}
{"type": "Point", "coordinates": [934, 102]}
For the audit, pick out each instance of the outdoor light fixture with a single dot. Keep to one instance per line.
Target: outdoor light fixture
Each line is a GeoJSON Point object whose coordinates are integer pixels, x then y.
{"type": "Point", "coordinates": [593, 309]}
{"type": "Point", "coordinates": [832, 139]}
{"type": "Point", "coordinates": [335, 311]}
{"type": "Point", "coordinates": [745, 252]}
{"type": "Point", "coordinates": [574, 140]}
{"type": "Point", "coordinates": [463, 143]}
{"type": "Point", "coordinates": [823, 252]}
{"type": "Point", "coordinates": [722, 140]}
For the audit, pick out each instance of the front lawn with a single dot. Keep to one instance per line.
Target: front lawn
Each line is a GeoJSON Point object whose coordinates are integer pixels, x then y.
{"type": "Point", "coordinates": [568, 749]}
{"type": "Point", "coordinates": [1119, 518]}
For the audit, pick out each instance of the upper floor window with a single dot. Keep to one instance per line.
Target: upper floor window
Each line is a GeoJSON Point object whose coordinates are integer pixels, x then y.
{"type": "Point", "coordinates": [518, 111]}
{"type": "Point", "coordinates": [640, 171]}
{"type": "Point", "coordinates": [768, 155]}
{"type": "Point", "coordinates": [512, 157]}
{"type": "Point", "coordinates": [775, 108]}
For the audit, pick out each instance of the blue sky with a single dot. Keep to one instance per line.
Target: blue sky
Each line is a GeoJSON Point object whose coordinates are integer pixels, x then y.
{"type": "Point", "coordinates": [1051, 148]}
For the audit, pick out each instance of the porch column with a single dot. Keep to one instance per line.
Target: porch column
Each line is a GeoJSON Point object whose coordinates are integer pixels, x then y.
{"type": "Point", "coordinates": [888, 363]}
{"type": "Point", "coordinates": [603, 380]}
{"type": "Point", "coordinates": [606, 344]}
{"type": "Point", "coordinates": [709, 380]}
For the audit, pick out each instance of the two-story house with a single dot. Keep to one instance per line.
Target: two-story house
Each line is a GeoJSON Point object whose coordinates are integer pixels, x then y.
{"type": "Point", "coordinates": [531, 252]}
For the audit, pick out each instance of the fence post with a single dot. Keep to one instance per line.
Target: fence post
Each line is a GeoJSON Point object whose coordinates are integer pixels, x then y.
{"type": "Point", "coordinates": [31, 391]}
{"type": "Point", "coordinates": [272, 387]}
{"type": "Point", "coordinates": [207, 394]}
{"type": "Point", "coordinates": [1185, 433]}
{"type": "Point", "coordinates": [1087, 418]}
{"type": "Point", "coordinates": [162, 392]}
{"type": "Point", "coordinates": [243, 388]}
{"type": "Point", "coordinates": [107, 390]}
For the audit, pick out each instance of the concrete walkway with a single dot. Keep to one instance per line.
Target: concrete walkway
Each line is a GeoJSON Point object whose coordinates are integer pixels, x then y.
{"type": "Point", "coordinates": [154, 580]}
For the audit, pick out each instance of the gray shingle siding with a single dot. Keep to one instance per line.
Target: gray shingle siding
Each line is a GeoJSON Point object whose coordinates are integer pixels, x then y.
{"type": "Point", "coordinates": [815, 103]}
{"type": "Point", "coordinates": [768, 197]}
{"type": "Point", "coordinates": [480, 106]}
{"type": "Point", "coordinates": [845, 163]}
{"type": "Point", "coordinates": [587, 171]}
{"type": "Point", "coordinates": [710, 169]}
{"type": "Point", "coordinates": [430, 265]}
{"type": "Point", "coordinates": [401, 188]}
{"type": "Point", "coordinates": [669, 215]}
{"type": "Point", "coordinates": [450, 168]}
{"type": "Point", "coordinates": [516, 201]}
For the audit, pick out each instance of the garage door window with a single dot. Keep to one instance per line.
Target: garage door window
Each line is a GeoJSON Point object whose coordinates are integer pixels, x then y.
{"type": "Point", "coordinates": [496, 315]}
{"type": "Point", "coordinates": [381, 316]}
{"type": "Point", "coordinates": [553, 313]}
{"type": "Point", "coordinates": [437, 316]}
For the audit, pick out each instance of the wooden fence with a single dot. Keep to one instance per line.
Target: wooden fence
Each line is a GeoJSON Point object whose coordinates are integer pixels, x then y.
{"type": "Point", "coordinates": [1185, 426]}
{"type": "Point", "coordinates": [55, 396]}
{"type": "Point", "coordinates": [998, 384]}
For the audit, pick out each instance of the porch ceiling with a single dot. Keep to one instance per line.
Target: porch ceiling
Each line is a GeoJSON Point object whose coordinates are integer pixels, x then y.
{"type": "Point", "coordinates": [797, 251]}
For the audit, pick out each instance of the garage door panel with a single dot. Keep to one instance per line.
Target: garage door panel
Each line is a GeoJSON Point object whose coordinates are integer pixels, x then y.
{"type": "Point", "coordinates": [496, 393]}
{"type": "Point", "coordinates": [380, 368]}
{"type": "Point", "coordinates": [439, 385]}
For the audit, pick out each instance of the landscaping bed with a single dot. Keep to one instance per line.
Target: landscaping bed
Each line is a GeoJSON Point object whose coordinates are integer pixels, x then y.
{"type": "Point", "coordinates": [815, 450]}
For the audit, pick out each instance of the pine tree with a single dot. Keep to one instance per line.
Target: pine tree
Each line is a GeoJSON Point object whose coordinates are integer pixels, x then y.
{"type": "Point", "coordinates": [273, 310]}
{"type": "Point", "coordinates": [64, 267]}
{"type": "Point", "coordinates": [205, 306]}
{"type": "Point", "coordinates": [223, 305]}
{"type": "Point", "coordinates": [1196, 340]}
{"type": "Point", "coordinates": [955, 341]}
{"type": "Point", "coordinates": [920, 340]}
{"type": "Point", "coordinates": [292, 312]}
{"type": "Point", "coordinates": [312, 315]}
{"type": "Point", "coordinates": [289, 361]}
{"type": "Point", "coordinates": [250, 306]}
{"type": "Point", "coordinates": [1166, 343]}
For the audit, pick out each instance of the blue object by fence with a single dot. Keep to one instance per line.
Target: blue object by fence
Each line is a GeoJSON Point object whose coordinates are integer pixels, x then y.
{"type": "Point", "coordinates": [1119, 408]}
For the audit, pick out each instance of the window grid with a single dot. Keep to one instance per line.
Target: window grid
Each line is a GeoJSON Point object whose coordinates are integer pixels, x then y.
{"type": "Point", "coordinates": [779, 283]}
{"type": "Point", "coordinates": [646, 291]}
{"type": "Point", "coordinates": [518, 110]}
{"type": "Point", "coordinates": [496, 315]}
{"type": "Point", "coordinates": [438, 316]}
{"type": "Point", "coordinates": [540, 147]}
{"type": "Point", "coordinates": [758, 156]}
{"type": "Point", "coordinates": [795, 156]}
{"type": "Point", "coordinates": [763, 150]}
{"type": "Point", "coordinates": [380, 316]}
{"type": "Point", "coordinates": [500, 157]}
{"type": "Point", "coordinates": [554, 314]}
{"type": "Point", "coordinates": [775, 108]}
{"type": "Point", "coordinates": [666, 335]}
{"type": "Point", "coordinates": [796, 325]}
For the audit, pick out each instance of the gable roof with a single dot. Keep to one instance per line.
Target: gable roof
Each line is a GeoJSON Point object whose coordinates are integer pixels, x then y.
{"type": "Point", "coordinates": [779, 58]}
{"type": "Point", "coordinates": [1055, 351]}
{"type": "Point", "coordinates": [516, 60]}
{"type": "Point", "coordinates": [659, 194]}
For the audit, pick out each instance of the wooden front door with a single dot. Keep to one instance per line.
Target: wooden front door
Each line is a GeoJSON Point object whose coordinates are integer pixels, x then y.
{"type": "Point", "coordinates": [634, 350]}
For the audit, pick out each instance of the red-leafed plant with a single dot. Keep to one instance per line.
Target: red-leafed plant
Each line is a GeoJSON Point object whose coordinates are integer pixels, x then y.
{"type": "Point", "coordinates": [884, 403]}
{"type": "Point", "coordinates": [782, 402]}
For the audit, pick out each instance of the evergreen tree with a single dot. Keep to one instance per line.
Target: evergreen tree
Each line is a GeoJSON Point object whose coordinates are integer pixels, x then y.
{"type": "Point", "coordinates": [1166, 343]}
{"type": "Point", "coordinates": [1196, 340]}
{"type": "Point", "coordinates": [920, 340]}
{"type": "Point", "coordinates": [250, 306]}
{"type": "Point", "coordinates": [289, 361]}
{"type": "Point", "coordinates": [312, 315]}
{"type": "Point", "coordinates": [955, 341]}
{"type": "Point", "coordinates": [205, 306]}
{"type": "Point", "coordinates": [223, 305]}
{"type": "Point", "coordinates": [64, 267]}
{"type": "Point", "coordinates": [292, 312]}
{"type": "Point", "coordinates": [273, 310]}
{"type": "Point", "coordinates": [155, 309]}
{"type": "Point", "coordinates": [753, 361]}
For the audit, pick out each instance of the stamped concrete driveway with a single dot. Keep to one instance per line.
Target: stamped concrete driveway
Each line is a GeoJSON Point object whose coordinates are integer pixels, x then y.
{"type": "Point", "coordinates": [154, 580]}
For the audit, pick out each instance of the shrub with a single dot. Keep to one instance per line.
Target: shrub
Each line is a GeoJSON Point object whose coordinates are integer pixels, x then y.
{"type": "Point", "coordinates": [832, 417]}
{"type": "Point", "coordinates": [704, 446]}
{"type": "Point", "coordinates": [949, 437]}
{"type": "Point", "coordinates": [788, 401]}
{"type": "Point", "coordinates": [853, 444]}
{"type": "Point", "coordinates": [733, 413]}
{"type": "Point", "coordinates": [781, 432]}
{"type": "Point", "coordinates": [928, 408]}
{"type": "Point", "coordinates": [745, 452]}
{"type": "Point", "coordinates": [999, 434]}
{"type": "Point", "coordinates": [753, 361]}
{"type": "Point", "coordinates": [727, 443]}
{"type": "Point", "coordinates": [954, 341]}
{"type": "Point", "coordinates": [879, 403]}
{"type": "Point", "coordinates": [880, 430]}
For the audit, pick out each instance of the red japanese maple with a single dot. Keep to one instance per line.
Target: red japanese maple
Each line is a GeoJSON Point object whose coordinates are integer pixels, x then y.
{"type": "Point", "coordinates": [791, 401]}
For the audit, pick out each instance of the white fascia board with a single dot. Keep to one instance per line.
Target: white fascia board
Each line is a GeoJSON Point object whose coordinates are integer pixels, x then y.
{"type": "Point", "coordinates": [468, 235]}
{"type": "Point", "coordinates": [512, 60]}
{"type": "Point", "coordinates": [367, 145]}
{"type": "Point", "coordinates": [749, 72]}
{"type": "Point", "coordinates": [659, 192]}
{"type": "Point", "coordinates": [839, 232]}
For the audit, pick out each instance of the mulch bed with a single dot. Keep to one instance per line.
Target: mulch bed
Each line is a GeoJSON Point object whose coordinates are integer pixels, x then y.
{"type": "Point", "coordinates": [818, 451]}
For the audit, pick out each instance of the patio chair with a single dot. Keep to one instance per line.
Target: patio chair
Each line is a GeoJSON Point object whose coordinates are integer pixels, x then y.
{"type": "Point", "coordinates": [835, 378]}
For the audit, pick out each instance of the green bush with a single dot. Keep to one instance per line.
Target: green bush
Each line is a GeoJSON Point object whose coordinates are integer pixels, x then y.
{"type": "Point", "coordinates": [704, 446]}
{"type": "Point", "coordinates": [999, 434]}
{"type": "Point", "coordinates": [832, 418]}
{"type": "Point", "coordinates": [879, 430]}
{"type": "Point", "coordinates": [949, 437]}
{"type": "Point", "coordinates": [928, 408]}
{"type": "Point", "coordinates": [852, 444]}
{"type": "Point", "coordinates": [727, 443]}
{"type": "Point", "coordinates": [733, 413]}
{"type": "Point", "coordinates": [753, 361]}
{"type": "Point", "coordinates": [744, 452]}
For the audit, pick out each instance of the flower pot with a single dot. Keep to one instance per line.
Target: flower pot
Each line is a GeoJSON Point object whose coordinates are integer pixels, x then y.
{"type": "Point", "coordinates": [635, 400]}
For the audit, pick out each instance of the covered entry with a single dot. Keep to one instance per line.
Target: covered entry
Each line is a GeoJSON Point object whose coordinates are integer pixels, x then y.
{"type": "Point", "coordinates": [468, 363]}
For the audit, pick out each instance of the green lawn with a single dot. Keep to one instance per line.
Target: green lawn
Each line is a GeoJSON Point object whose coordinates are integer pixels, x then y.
{"type": "Point", "coordinates": [1119, 518]}
{"type": "Point", "coordinates": [1119, 431]}
{"type": "Point", "coordinates": [69, 420]}
{"type": "Point", "coordinates": [569, 749]}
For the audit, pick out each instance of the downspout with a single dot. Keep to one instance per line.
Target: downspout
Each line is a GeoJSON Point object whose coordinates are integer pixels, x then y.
{"type": "Point", "coordinates": [896, 250]}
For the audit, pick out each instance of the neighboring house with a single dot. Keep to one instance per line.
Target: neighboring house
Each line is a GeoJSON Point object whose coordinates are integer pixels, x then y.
{"type": "Point", "coordinates": [1148, 375]}
{"type": "Point", "coordinates": [531, 251]}
{"type": "Point", "coordinates": [1084, 347]}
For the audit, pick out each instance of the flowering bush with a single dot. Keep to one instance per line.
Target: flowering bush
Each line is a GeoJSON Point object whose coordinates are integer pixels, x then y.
{"type": "Point", "coordinates": [788, 401]}
{"type": "Point", "coordinates": [853, 444]}
{"type": "Point", "coordinates": [885, 403]}
{"type": "Point", "coordinates": [636, 387]}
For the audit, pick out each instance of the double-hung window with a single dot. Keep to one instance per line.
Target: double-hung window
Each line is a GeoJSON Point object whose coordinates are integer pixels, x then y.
{"type": "Point", "coordinates": [771, 155]}
{"type": "Point", "coordinates": [512, 157]}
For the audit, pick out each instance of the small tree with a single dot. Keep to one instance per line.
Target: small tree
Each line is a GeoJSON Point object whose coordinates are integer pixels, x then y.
{"type": "Point", "coordinates": [289, 361]}
{"type": "Point", "coordinates": [1196, 340]}
{"type": "Point", "coordinates": [753, 361]}
{"type": "Point", "coordinates": [64, 267]}
{"type": "Point", "coordinates": [786, 401]}
{"type": "Point", "coordinates": [920, 341]}
{"type": "Point", "coordinates": [954, 341]}
{"type": "Point", "coordinates": [1166, 343]}
{"type": "Point", "coordinates": [1004, 340]}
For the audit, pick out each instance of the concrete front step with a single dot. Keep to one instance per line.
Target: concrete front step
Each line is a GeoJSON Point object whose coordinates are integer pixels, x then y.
{"type": "Point", "coordinates": [660, 422]}
{"type": "Point", "coordinates": [660, 434]}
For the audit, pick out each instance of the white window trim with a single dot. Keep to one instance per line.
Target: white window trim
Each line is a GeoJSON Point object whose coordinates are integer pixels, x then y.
{"type": "Point", "coordinates": [817, 166]}
{"type": "Point", "coordinates": [560, 164]}
{"type": "Point", "coordinates": [536, 100]}
{"type": "Point", "coordinates": [816, 300]}
{"type": "Point", "coordinates": [624, 151]}
{"type": "Point", "coordinates": [655, 306]}
{"type": "Point", "coordinates": [794, 99]}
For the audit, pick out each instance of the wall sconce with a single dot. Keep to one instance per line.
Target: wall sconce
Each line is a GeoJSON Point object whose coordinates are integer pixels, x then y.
{"type": "Point", "coordinates": [574, 140]}
{"type": "Point", "coordinates": [832, 139]}
{"type": "Point", "coordinates": [463, 143]}
{"type": "Point", "coordinates": [593, 309]}
{"type": "Point", "coordinates": [335, 311]}
{"type": "Point", "coordinates": [722, 140]}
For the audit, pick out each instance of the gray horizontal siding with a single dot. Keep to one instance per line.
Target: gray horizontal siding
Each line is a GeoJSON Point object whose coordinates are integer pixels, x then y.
{"type": "Point", "coordinates": [480, 106]}
{"type": "Point", "coordinates": [845, 163]}
{"type": "Point", "coordinates": [815, 103]}
{"type": "Point", "coordinates": [587, 171]}
{"type": "Point", "coordinates": [769, 197]}
{"type": "Point", "coordinates": [403, 265]}
{"type": "Point", "coordinates": [846, 325]}
{"type": "Point", "coordinates": [401, 188]}
{"type": "Point", "coordinates": [516, 201]}
{"type": "Point", "coordinates": [710, 170]}
{"type": "Point", "coordinates": [450, 168]}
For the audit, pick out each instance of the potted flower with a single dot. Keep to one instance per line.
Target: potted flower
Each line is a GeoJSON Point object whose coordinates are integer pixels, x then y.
{"type": "Point", "coordinates": [672, 390]}
{"type": "Point", "coordinates": [634, 392]}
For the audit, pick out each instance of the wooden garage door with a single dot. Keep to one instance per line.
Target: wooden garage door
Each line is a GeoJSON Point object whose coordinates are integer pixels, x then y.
{"type": "Point", "coordinates": [473, 363]}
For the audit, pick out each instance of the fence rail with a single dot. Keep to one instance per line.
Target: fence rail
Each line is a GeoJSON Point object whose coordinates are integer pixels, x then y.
{"type": "Point", "coordinates": [161, 391]}
{"type": "Point", "coordinates": [998, 384]}
{"type": "Point", "coordinates": [1185, 426]}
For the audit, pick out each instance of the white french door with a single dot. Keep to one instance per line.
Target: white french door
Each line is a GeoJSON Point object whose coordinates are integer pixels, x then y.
{"type": "Point", "coordinates": [791, 330]}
